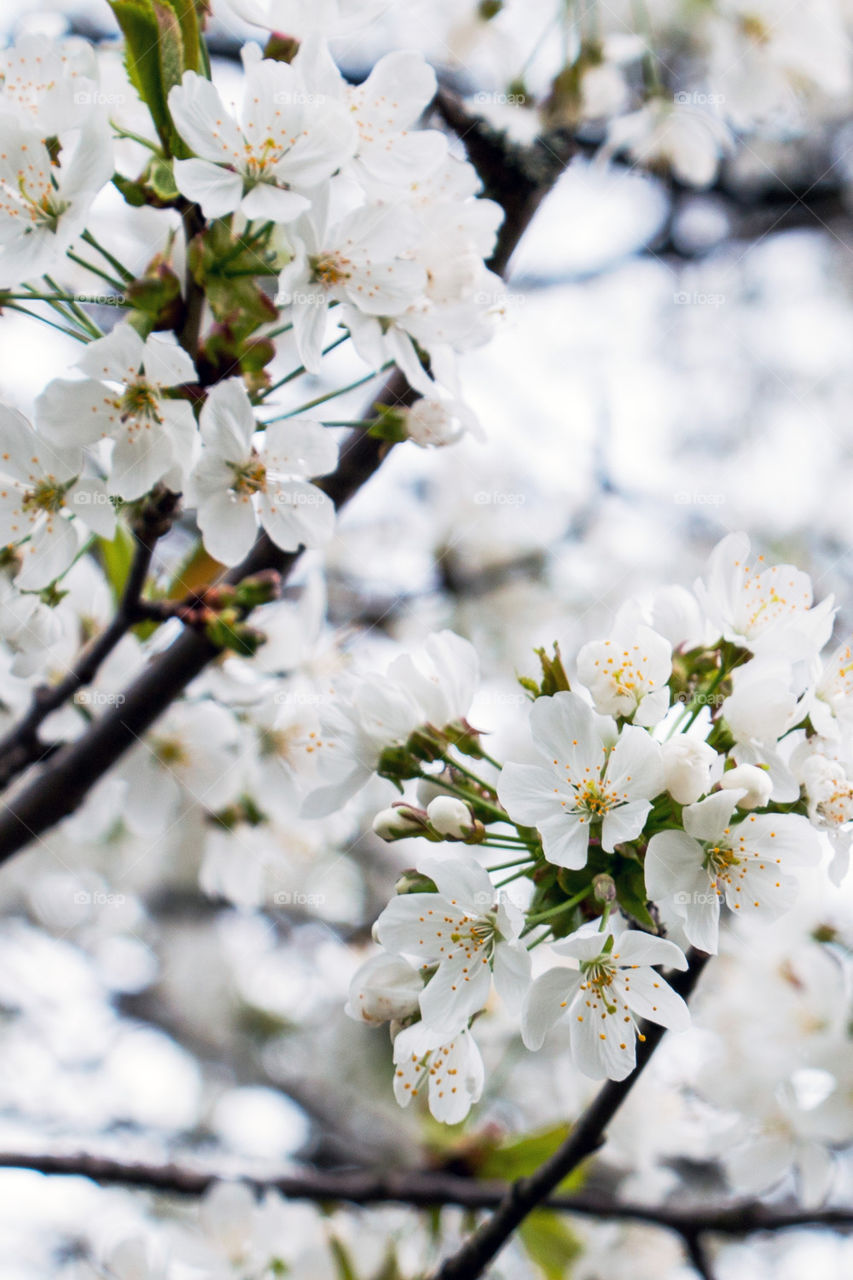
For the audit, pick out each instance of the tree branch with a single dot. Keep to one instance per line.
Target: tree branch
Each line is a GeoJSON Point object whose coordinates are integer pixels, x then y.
{"type": "Point", "coordinates": [21, 746]}
{"type": "Point", "coordinates": [70, 773]}
{"type": "Point", "coordinates": [528, 1194]}
{"type": "Point", "coordinates": [431, 1189]}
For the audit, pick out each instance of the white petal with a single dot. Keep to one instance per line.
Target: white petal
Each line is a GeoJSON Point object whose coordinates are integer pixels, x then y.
{"type": "Point", "coordinates": [217, 190]}
{"type": "Point", "coordinates": [229, 525]}
{"type": "Point", "coordinates": [295, 513]}
{"type": "Point", "coordinates": [547, 1001]}
{"type": "Point", "coordinates": [650, 997]}
{"type": "Point", "coordinates": [453, 995]}
{"type": "Point", "coordinates": [623, 823]}
{"type": "Point", "coordinates": [48, 554]}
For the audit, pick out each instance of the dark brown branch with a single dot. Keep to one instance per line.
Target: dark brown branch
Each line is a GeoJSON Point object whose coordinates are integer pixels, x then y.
{"type": "Point", "coordinates": [697, 1253]}
{"type": "Point", "coordinates": [428, 1189]}
{"type": "Point", "coordinates": [528, 1194]}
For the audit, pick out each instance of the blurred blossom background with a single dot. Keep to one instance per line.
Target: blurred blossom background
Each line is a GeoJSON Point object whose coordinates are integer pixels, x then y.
{"type": "Point", "coordinates": [673, 363]}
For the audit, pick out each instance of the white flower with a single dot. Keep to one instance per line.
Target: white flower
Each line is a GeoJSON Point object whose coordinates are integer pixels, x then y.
{"type": "Point", "coordinates": [613, 987]}
{"type": "Point", "coordinates": [359, 260]}
{"type": "Point", "coordinates": [829, 792]}
{"type": "Point", "coordinates": [394, 822]}
{"type": "Point", "coordinates": [44, 206]}
{"type": "Point", "coordinates": [47, 84]}
{"type": "Point", "coordinates": [433, 422]}
{"type": "Point", "coordinates": [369, 713]}
{"type": "Point", "coordinates": [755, 784]}
{"type": "Point", "coordinates": [384, 109]}
{"type": "Point", "coordinates": [191, 755]}
{"type": "Point", "coordinates": [451, 817]}
{"type": "Point", "coordinates": [833, 693]}
{"type": "Point", "coordinates": [595, 782]}
{"type": "Point", "coordinates": [125, 399]}
{"type": "Point", "coordinates": [451, 1071]}
{"type": "Point", "coordinates": [746, 863]}
{"type": "Point", "coordinates": [687, 141]}
{"type": "Point", "coordinates": [27, 625]}
{"type": "Point", "coordinates": [287, 138]}
{"type": "Point", "coordinates": [40, 488]}
{"type": "Point", "coordinates": [769, 611]}
{"type": "Point", "coordinates": [384, 989]}
{"type": "Point", "coordinates": [687, 765]}
{"type": "Point", "coordinates": [235, 482]}
{"type": "Point", "coordinates": [627, 675]}
{"type": "Point", "coordinates": [466, 933]}
{"type": "Point", "coordinates": [763, 704]}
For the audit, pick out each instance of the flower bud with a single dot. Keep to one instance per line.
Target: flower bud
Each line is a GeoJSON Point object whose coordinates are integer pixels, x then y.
{"type": "Point", "coordinates": [604, 888]}
{"type": "Point", "coordinates": [383, 989]}
{"type": "Point", "coordinates": [687, 768]}
{"type": "Point", "coordinates": [756, 782]}
{"type": "Point", "coordinates": [451, 818]}
{"type": "Point", "coordinates": [399, 821]}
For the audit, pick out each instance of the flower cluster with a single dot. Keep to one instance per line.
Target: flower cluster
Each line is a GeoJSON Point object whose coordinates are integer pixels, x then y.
{"type": "Point", "coordinates": [315, 200]}
{"type": "Point", "coordinates": [686, 775]}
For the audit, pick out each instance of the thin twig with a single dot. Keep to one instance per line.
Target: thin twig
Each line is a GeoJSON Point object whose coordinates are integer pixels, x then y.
{"type": "Point", "coordinates": [435, 1189]}
{"type": "Point", "coordinates": [587, 1136]}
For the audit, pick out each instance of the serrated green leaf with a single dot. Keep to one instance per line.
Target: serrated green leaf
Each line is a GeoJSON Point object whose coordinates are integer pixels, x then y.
{"type": "Point", "coordinates": [551, 1244]}
{"type": "Point", "coordinates": [187, 15]}
{"type": "Point", "coordinates": [155, 59]}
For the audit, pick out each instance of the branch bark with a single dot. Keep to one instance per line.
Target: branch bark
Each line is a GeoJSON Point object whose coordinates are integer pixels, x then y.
{"type": "Point", "coordinates": [427, 1189]}
{"type": "Point", "coordinates": [587, 1136]}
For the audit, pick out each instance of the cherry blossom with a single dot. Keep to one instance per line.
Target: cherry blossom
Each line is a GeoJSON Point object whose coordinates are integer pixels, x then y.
{"type": "Point", "coordinates": [596, 782]}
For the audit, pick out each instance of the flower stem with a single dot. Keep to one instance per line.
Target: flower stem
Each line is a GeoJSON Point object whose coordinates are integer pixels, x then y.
{"type": "Point", "coordinates": [288, 377]}
{"type": "Point", "coordinates": [330, 395]}
{"type": "Point", "coordinates": [126, 275]}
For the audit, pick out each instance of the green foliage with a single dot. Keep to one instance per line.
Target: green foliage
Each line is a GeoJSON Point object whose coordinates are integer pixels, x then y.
{"type": "Point", "coordinates": [554, 678]}
{"type": "Point", "coordinates": [162, 41]}
{"type": "Point", "coordinates": [116, 557]}
{"type": "Point", "coordinates": [514, 1158]}
{"type": "Point", "coordinates": [550, 1244]}
{"type": "Point", "coordinates": [229, 271]}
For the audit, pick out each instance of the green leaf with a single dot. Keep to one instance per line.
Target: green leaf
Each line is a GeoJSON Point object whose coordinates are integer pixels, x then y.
{"type": "Point", "coordinates": [631, 890]}
{"type": "Point", "coordinates": [550, 1243]}
{"type": "Point", "coordinates": [156, 58]}
{"type": "Point", "coordinates": [520, 1157]}
{"type": "Point", "coordinates": [116, 558]}
{"type": "Point", "coordinates": [342, 1259]}
{"type": "Point", "coordinates": [187, 15]}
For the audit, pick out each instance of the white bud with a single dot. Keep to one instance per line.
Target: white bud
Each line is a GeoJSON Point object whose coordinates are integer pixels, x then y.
{"type": "Point", "coordinates": [431, 422]}
{"type": "Point", "coordinates": [450, 817]}
{"type": "Point", "coordinates": [756, 782]}
{"type": "Point", "coordinates": [395, 823]}
{"type": "Point", "coordinates": [383, 989]}
{"type": "Point", "coordinates": [687, 764]}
